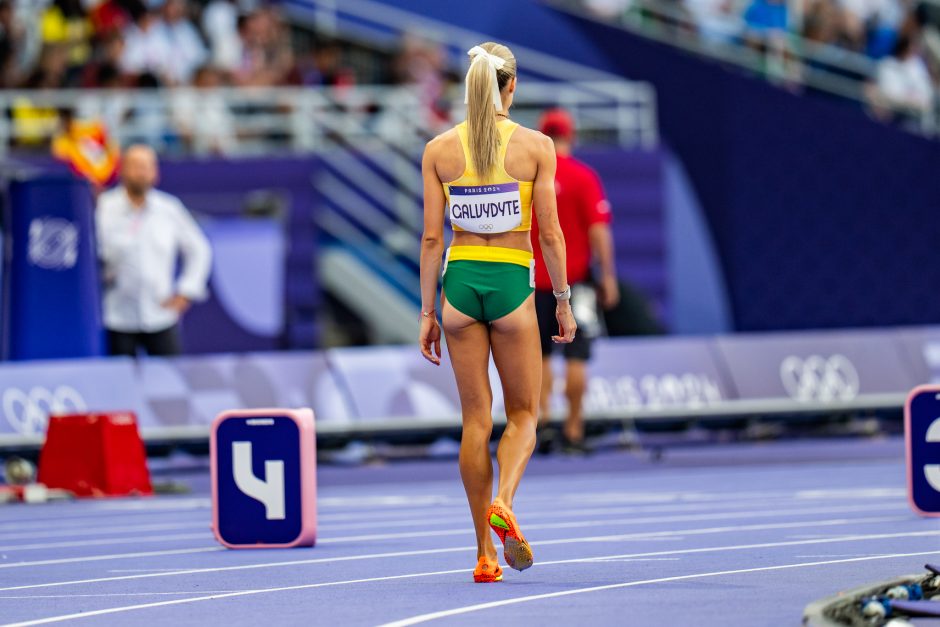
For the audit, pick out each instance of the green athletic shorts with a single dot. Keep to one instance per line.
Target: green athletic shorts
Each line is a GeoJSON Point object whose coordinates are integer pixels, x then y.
{"type": "Point", "coordinates": [486, 290]}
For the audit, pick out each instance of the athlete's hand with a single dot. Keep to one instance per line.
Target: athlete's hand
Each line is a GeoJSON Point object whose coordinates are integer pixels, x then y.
{"type": "Point", "coordinates": [429, 337]}
{"type": "Point", "coordinates": [566, 324]}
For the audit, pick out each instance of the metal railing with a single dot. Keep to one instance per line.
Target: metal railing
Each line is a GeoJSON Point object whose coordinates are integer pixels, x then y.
{"type": "Point", "coordinates": [310, 120]}
{"type": "Point", "coordinates": [783, 58]}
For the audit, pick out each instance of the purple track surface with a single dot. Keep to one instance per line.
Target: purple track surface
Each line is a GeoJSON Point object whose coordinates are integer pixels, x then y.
{"type": "Point", "coordinates": [718, 535]}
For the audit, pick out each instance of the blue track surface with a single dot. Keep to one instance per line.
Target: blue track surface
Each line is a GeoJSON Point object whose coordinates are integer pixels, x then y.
{"type": "Point", "coordinates": [730, 535]}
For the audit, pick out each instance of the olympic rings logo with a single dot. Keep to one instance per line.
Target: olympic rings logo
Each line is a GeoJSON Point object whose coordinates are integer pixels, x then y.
{"type": "Point", "coordinates": [817, 378]}
{"type": "Point", "coordinates": [53, 243]}
{"type": "Point", "coordinates": [486, 227]}
{"type": "Point", "coordinates": [28, 413]}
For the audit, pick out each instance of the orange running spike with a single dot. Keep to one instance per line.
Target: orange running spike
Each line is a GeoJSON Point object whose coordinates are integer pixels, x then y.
{"type": "Point", "coordinates": [487, 571]}
{"type": "Point", "coordinates": [516, 550]}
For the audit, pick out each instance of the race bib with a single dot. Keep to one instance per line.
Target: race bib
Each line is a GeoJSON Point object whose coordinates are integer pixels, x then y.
{"type": "Point", "coordinates": [486, 208]}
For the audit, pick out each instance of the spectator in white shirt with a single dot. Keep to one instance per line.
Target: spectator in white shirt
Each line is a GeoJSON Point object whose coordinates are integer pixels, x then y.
{"type": "Point", "coordinates": [902, 81]}
{"type": "Point", "coordinates": [147, 48]}
{"type": "Point", "coordinates": [141, 232]}
{"type": "Point", "coordinates": [185, 41]}
{"type": "Point", "coordinates": [220, 23]}
{"type": "Point", "coordinates": [718, 21]}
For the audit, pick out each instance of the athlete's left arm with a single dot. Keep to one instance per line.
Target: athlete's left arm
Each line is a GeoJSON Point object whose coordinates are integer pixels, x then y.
{"type": "Point", "coordinates": [432, 247]}
{"type": "Point", "coordinates": [551, 238]}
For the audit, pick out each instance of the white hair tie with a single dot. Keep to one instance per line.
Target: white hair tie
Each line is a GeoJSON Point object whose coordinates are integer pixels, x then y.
{"type": "Point", "coordinates": [479, 55]}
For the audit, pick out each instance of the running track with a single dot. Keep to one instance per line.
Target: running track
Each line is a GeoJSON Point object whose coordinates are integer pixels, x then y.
{"type": "Point", "coordinates": [721, 535]}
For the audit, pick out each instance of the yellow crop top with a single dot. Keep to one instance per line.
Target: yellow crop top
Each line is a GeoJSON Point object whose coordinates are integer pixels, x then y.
{"type": "Point", "coordinates": [500, 203]}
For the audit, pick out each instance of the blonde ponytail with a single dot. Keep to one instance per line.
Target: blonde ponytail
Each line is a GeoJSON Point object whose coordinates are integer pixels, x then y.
{"type": "Point", "coordinates": [481, 108]}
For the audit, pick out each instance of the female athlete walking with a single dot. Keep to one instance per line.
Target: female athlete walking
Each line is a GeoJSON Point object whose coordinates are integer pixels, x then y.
{"type": "Point", "coordinates": [487, 173]}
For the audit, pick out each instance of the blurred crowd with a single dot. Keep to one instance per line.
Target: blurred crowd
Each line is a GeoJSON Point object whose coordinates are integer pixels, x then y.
{"type": "Point", "coordinates": [148, 43]}
{"type": "Point", "coordinates": [901, 37]}
{"type": "Point", "coordinates": [197, 44]}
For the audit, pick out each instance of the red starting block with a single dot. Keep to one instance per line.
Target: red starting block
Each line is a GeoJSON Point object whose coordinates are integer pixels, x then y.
{"type": "Point", "coordinates": [95, 455]}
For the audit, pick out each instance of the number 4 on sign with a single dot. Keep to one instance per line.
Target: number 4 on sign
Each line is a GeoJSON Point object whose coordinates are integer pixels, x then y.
{"type": "Point", "coordinates": [270, 491]}
{"type": "Point", "coordinates": [264, 457]}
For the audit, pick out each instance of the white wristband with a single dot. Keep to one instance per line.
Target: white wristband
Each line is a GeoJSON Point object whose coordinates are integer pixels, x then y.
{"type": "Point", "coordinates": [564, 295]}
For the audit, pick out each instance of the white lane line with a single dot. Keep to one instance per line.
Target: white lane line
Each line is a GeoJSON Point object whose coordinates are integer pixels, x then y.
{"type": "Point", "coordinates": [68, 523]}
{"type": "Point", "coordinates": [388, 500]}
{"type": "Point", "coordinates": [573, 492]}
{"type": "Point", "coordinates": [850, 493]}
{"type": "Point", "coordinates": [89, 510]}
{"type": "Point", "coordinates": [761, 545]}
{"type": "Point", "coordinates": [581, 524]}
{"type": "Point", "coordinates": [452, 612]}
{"type": "Point", "coordinates": [644, 536]}
{"type": "Point", "coordinates": [427, 533]}
{"type": "Point", "coordinates": [206, 535]}
{"type": "Point", "coordinates": [149, 504]}
{"type": "Point", "coordinates": [146, 570]}
{"type": "Point", "coordinates": [58, 529]}
{"type": "Point", "coordinates": [118, 594]}
{"type": "Point", "coordinates": [95, 530]}
{"type": "Point", "coordinates": [423, 618]}
{"type": "Point", "coordinates": [170, 505]}
{"type": "Point", "coordinates": [553, 515]}
{"type": "Point", "coordinates": [457, 517]}
{"type": "Point", "coordinates": [820, 555]}
{"type": "Point", "coordinates": [647, 536]}
{"type": "Point", "coordinates": [659, 535]}
{"type": "Point", "coordinates": [402, 519]}
{"type": "Point", "coordinates": [639, 498]}
{"type": "Point", "coordinates": [113, 556]}
{"type": "Point", "coordinates": [626, 559]}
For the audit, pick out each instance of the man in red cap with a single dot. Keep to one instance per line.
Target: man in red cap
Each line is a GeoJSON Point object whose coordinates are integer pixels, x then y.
{"type": "Point", "coordinates": [584, 214]}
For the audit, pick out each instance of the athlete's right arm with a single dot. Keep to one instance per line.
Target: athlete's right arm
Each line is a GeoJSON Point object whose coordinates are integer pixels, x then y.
{"type": "Point", "coordinates": [432, 247]}
{"type": "Point", "coordinates": [551, 239]}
